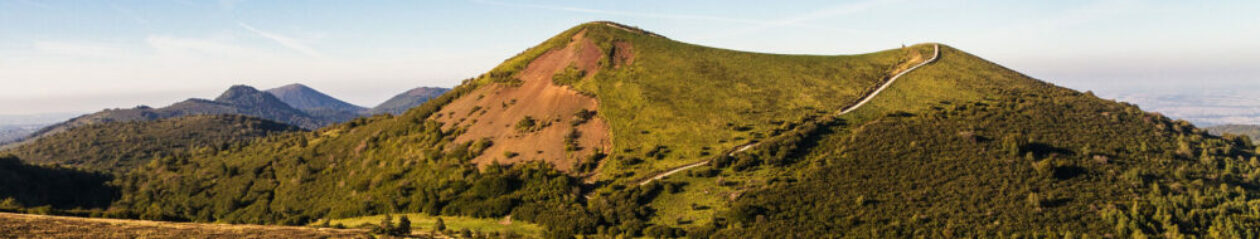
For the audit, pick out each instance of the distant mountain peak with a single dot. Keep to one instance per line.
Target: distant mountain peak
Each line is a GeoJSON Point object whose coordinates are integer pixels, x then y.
{"type": "Point", "coordinates": [235, 93]}
{"type": "Point", "coordinates": [308, 99]}
{"type": "Point", "coordinates": [411, 98]}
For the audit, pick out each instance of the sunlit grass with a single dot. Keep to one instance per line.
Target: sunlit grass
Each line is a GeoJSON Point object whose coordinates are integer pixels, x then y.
{"type": "Point", "coordinates": [424, 223]}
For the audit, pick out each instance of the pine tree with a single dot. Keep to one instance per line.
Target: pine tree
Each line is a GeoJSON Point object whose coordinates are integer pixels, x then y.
{"type": "Point", "coordinates": [439, 225]}
{"type": "Point", "coordinates": [404, 226]}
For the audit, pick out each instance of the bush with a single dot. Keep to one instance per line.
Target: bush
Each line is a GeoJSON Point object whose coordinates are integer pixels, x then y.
{"type": "Point", "coordinates": [404, 226]}
{"type": "Point", "coordinates": [526, 124]}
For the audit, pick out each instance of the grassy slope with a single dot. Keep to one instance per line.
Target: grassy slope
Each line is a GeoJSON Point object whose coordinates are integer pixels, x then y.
{"type": "Point", "coordinates": [689, 98]}
{"type": "Point", "coordinates": [706, 194]}
{"type": "Point", "coordinates": [121, 146]}
{"type": "Point", "coordinates": [907, 165]}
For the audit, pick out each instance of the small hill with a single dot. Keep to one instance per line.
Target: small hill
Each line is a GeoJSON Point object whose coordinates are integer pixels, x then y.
{"type": "Point", "coordinates": [316, 103]}
{"type": "Point", "coordinates": [1252, 131]}
{"type": "Point", "coordinates": [967, 148]}
{"type": "Point", "coordinates": [121, 146]}
{"type": "Point", "coordinates": [410, 99]}
{"type": "Point", "coordinates": [238, 100]}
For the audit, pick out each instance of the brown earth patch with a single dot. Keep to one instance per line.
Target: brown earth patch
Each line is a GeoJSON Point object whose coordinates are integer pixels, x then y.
{"type": "Point", "coordinates": [622, 53]}
{"type": "Point", "coordinates": [492, 112]}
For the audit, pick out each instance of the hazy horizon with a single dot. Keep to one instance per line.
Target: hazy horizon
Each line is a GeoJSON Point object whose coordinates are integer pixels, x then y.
{"type": "Point", "coordinates": [83, 56]}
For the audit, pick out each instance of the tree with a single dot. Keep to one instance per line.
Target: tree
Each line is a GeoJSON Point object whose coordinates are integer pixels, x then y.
{"type": "Point", "coordinates": [439, 225]}
{"type": "Point", "coordinates": [404, 226]}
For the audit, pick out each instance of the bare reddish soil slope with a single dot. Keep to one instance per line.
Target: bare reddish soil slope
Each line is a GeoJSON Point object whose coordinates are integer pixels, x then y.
{"type": "Point", "coordinates": [493, 111]}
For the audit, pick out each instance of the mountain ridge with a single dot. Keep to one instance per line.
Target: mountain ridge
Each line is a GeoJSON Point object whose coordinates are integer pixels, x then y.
{"type": "Point", "coordinates": [238, 99]}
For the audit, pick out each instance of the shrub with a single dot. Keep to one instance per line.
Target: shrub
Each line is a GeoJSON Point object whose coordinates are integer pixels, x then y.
{"type": "Point", "coordinates": [404, 226]}
{"type": "Point", "coordinates": [569, 76]}
{"type": "Point", "coordinates": [526, 124]}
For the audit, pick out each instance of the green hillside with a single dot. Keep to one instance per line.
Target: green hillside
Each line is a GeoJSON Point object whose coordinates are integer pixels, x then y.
{"type": "Point", "coordinates": [694, 101]}
{"type": "Point", "coordinates": [960, 147]}
{"type": "Point", "coordinates": [121, 146]}
{"type": "Point", "coordinates": [966, 148]}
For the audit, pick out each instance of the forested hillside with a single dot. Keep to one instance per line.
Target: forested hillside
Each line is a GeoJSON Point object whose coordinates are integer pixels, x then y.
{"type": "Point", "coordinates": [122, 146]}
{"type": "Point", "coordinates": [966, 148]}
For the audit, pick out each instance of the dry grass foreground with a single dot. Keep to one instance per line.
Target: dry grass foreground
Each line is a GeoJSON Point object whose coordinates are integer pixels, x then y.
{"type": "Point", "coordinates": [40, 226]}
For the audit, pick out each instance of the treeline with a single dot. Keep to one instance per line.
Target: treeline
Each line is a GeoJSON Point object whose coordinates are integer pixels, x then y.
{"type": "Point", "coordinates": [51, 189]}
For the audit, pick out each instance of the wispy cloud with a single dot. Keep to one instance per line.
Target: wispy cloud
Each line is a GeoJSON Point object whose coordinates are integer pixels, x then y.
{"type": "Point", "coordinates": [285, 41]}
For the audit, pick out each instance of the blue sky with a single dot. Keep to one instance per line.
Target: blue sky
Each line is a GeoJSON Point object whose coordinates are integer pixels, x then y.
{"type": "Point", "coordinates": [82, 56]}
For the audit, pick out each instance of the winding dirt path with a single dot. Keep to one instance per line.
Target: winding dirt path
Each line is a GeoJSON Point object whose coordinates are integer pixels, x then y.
{"type": "Point", "coordinates": [936, 53]}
